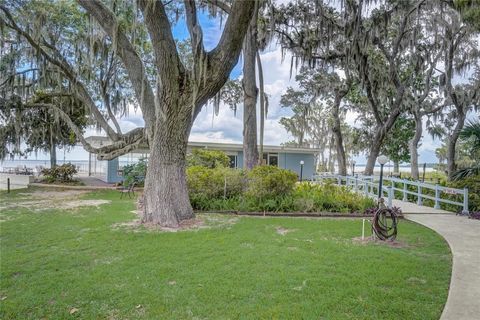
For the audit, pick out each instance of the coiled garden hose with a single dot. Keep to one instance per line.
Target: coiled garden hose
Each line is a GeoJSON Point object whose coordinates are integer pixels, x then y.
{"type": "Point", "coordinates": [384, 224]}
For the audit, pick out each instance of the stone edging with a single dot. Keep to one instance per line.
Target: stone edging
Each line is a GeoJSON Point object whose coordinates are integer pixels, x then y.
{"type": "Point", "coordinates": [61, 186]}
{"type": "Point", "coordinates": [293, 214]}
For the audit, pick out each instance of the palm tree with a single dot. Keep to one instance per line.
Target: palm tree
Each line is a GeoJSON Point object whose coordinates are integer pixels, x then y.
{"type": "Point", "coordinates": [471, 132]}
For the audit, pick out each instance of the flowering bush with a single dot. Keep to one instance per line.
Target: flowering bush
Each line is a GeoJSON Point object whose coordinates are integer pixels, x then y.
{"type": "Point", "coordinates": [475, 215]}
{"type": "Point", "coordinates": [63, 173]}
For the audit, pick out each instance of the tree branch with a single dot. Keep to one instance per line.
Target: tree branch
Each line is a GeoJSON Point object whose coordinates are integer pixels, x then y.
{"type": "Point", "coordinates": [220, 4]}
{"type": "Point", "coordinates": [194, 29]}
{"type": "Point", "coordinates": [130, 141]}
{"type": "Point", "coordinates": [372, 100]}
{"type": "Point", "coordinates": [128, 55]}
{"type": "Point", "coordinates": [167, 60]}
{"type": "Point", "coordinates": [66, 69]}
{"type": "Point", "coordinates": [221, 60]}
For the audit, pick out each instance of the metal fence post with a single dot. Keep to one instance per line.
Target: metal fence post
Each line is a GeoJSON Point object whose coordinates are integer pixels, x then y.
{"type": "Point", "coordinates": [437, 197]}
{"type": "Point", "coordinates": [465, 201]}
{"type": "Point", "coordinates": [8, 185]}
{"type": "Point", "coordinates": [356, 184]}
{"type": "Point", "coordinates": [419, 194]}
{"type": "Point", "coordinates": [390, 196]}
{"type": "Point", "coordinates": [365, 188]}
{"type": "Point", "coordinates": [339, 181]}
{"type": "Point", "coordinates": [405, 190]}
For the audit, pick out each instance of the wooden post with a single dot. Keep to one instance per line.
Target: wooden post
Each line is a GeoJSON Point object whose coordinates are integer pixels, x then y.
{"type": "Point", "coordinates": [89, 164]}
{"type": "Point", "coordinates": [424, 167]}
{"type": "Point", "coordinates": [437, 197]}
{"type": "Point", "coordinates": [390, 196]}
{"type": "Point", "coordinates": [465, 201]}
{"type": "Point", "coordinates": [8, 185]}
{"type": "Point", "coordinates": [419, 195]}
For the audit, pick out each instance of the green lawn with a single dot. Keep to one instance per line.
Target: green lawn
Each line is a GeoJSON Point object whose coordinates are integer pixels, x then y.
{"type": "Point", "coordinates": [56, 260]}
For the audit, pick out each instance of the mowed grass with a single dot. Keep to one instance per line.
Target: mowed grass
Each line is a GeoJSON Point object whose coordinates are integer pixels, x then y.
{"type": "Point", "coordinates": [53, 261]}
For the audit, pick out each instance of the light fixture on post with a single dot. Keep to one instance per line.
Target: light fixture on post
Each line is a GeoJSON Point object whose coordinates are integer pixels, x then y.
{"type": "Point", "coordinates": [381, 160]}
{"type": "Point", "coordinates": [301, 169]}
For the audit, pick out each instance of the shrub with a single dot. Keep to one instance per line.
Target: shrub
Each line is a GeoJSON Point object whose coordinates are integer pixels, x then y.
{"type": "Point", "coordinates": [329, 197]}
{"type": "Point", "coordinates": [206, 184]}
{"type": "Point", "coordinates": [63, 173]}
{"type": "Point", "coordinates": [270, 181]}
{"type": "Point", "coordinates": [475, 215]}
{"type": "Point", "coordinates": [473, 185]}
{"type": "Point", "coordinates": [267, 188]}
{"type": "Point", "coordinates": [135, 172]}
{"type": "Point", "coordinates": [207, 158]}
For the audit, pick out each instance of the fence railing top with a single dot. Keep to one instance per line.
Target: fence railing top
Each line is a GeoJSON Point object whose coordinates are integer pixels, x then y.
{"type": "Point", "coordinates": [392, 179]}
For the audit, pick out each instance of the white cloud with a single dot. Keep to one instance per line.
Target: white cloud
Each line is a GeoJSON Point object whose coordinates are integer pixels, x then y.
{"type": "Point", "coordinates": [228, 128]}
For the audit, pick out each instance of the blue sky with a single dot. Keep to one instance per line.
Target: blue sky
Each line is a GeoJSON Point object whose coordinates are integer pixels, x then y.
{"type": "Point", "coordinates": [226, 127]}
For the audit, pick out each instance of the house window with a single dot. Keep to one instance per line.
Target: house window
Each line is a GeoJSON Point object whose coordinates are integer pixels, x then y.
{"type": "Point", "coordinates": [271, 159]}
{"type": "Point", "coordinates": [233, 161]}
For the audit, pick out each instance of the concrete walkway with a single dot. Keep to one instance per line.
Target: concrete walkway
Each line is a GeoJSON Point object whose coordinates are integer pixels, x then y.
{"type": "Point", "coordinates": [463, 236]}
{"type": "Point", "coordinates": [410, 207]}
{"type": "Point", "coordinates": [94, 182]}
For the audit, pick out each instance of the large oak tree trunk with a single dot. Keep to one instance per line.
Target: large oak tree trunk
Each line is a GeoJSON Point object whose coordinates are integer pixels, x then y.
{"type": "Point", "coordinates": [250, 151]}
{"type": "Point", "coordinates": [413, 146]}
{"type": "Point", "coordinates": [169, 114]}
{"type": "Point", "coordinates": [166, 200]}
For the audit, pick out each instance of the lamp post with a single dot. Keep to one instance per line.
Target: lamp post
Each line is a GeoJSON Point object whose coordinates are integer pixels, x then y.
{"type": "Point", "coordinates": [382, 160]}
{"type": "Point", "coordinates": [301, 170]}
{"type": "Point", "coordinates": [353, 167]}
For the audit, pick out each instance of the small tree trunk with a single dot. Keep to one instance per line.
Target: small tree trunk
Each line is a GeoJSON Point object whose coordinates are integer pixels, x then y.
{"type": "Point", "coordinates": [452, 143]}
{"type": "Point", "coordinates": [413, 146]}
{"type": "Point", "coordinates": [166, 200]}
{"type": "Point", "coordinates": [396, 166]}
{"type": "Point", "coordinates": [337, 131]}
{"type": "Point", "coordinates": [53, 149]}
{"type": "Point", "coordinates": [53, 155]}
{"type": "Point", "coordinates": [331, 164]}
{"type": "Point", "coordinates": [374, 152]}
{"type": "Point", "coordinates": [262, 103]}
{"type": "Point", "coordinates": [250, 151]}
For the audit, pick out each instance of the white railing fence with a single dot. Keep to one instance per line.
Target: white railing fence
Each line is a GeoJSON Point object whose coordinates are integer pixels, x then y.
{"type": "Point", "coordinates": [393, 188]}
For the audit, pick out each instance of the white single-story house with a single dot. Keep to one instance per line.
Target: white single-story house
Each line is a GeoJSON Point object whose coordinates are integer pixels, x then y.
{"type": "Point", "coordinates": [299, 160]}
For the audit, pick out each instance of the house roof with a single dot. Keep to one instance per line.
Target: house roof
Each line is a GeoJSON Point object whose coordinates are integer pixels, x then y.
{"type": "Point", "coordinates": [98, 141]}
{"type": "Point", "coordinates": [239, 147]}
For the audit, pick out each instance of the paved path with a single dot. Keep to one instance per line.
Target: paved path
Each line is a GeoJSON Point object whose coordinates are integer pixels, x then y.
{"type": "Point", "coordinates": [94, 182]}
{"type": "Point", "coordinates": [410, 207]}
{"type": "Point", "coordinates": [463, 236]}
